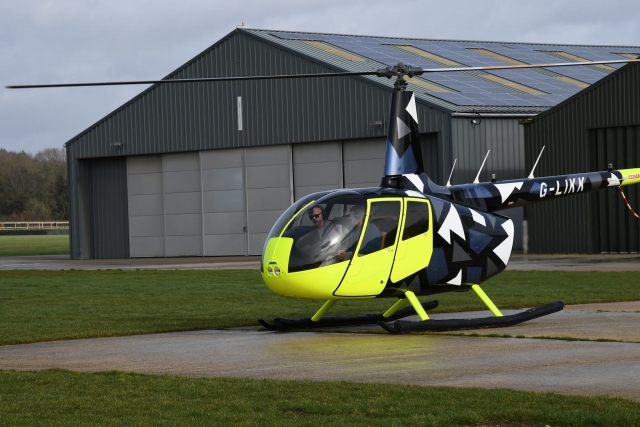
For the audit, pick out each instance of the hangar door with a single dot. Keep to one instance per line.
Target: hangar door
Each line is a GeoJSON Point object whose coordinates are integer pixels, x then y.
{"type": "Point", "coordinates": [363, 162]}
{"type": "Point", "coordinates": [224, 202]}
{"type": "Point", "coordinates": [182, 204]}
{"type": "Point", "coordinates": [208, 203]}
{"type": "Point", "coordinates": [224, 224]}
{"type": "Point", "coordinates": [316, 167]}
{"type": "Point", "coordinates": [268, 191]}
{"type": "Point", "coordinates": [146, 206]}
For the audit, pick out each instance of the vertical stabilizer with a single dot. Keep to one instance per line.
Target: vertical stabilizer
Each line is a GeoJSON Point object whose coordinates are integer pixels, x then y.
{"type": "Point", "coordinates": [404, 155]}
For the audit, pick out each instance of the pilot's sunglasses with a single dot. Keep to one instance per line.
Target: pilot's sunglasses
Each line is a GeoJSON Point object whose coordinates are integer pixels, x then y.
{"type": "Point", "coordinates": [314, 216]}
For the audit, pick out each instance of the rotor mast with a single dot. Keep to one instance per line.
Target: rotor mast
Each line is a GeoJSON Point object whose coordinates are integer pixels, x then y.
{"type": "Point", "coordinates": [403, 152]}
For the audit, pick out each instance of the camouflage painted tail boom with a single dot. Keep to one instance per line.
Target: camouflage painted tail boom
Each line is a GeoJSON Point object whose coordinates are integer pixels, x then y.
{"type": "Point", "coordinates": [496, 196]}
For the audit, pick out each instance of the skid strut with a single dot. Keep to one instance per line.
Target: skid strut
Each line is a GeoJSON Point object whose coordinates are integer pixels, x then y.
{"type": "Point", "coordinates": [499, 321]}
{"type": "Point", "coordinates": [394, 313]}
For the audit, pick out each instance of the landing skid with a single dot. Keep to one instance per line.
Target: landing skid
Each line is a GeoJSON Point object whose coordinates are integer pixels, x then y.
{"type": "Point", "coordinates": [404, 326]}
{"type": "Point", "coordinates": [280, 324]}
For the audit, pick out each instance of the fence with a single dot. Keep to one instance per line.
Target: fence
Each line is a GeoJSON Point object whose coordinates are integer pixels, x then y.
{"type": "Point", "coordinates": [35, 225]}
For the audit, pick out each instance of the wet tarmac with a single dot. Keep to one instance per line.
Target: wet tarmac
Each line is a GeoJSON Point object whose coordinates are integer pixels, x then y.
{"type": "Point", "coordinates": [570, 367]}
{"type": "Point", "coordinates": [602, 262]}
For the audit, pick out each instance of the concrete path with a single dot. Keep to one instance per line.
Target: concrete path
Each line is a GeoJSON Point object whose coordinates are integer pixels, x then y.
{"type": "Point", "coordinates": [604, 262]}
{"type": "Point", "coordinates": [63, 262]}
{"type": "Point", "coordinates": [600, 262]}
{"type": "Point", "coordinates": [571, 367]}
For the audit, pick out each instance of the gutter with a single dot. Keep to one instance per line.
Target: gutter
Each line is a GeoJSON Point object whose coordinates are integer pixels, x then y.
{"type": "Point", "coordinates": [488, 115]}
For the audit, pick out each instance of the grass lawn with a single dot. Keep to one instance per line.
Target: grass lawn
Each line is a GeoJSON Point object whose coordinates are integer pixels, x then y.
{"type": "Point", "coordinates": [34, 245]}
{"type": "Point", "coordinates": [54, 305]}
{"type": "Point", "coordinates": [62, 398]}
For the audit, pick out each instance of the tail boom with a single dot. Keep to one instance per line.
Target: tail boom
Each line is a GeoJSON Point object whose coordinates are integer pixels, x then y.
{"type": "Point", "coordinates": [496, 196]}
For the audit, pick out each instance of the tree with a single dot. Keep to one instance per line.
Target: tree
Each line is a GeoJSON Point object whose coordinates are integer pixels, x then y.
{"type": "Point", "coordinates": [33, 187]}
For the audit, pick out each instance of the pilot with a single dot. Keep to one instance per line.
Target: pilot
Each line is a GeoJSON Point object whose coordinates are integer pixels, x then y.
{"type": "Point", "coordinates": [371, 241]}
{"type": "Point", "coordinates": [327, 230]}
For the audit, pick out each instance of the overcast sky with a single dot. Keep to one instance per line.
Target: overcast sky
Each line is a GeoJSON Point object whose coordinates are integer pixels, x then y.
{"type": "Point", "coordinates": [54, 41]}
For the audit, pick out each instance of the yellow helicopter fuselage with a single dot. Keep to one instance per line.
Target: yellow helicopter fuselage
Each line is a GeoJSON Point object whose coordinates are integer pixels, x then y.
{"type": "Point", "coordinates": [362, 275]}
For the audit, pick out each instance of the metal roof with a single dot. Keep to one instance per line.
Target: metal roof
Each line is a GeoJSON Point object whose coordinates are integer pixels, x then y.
{"type": "Point", "coordinates": [506, 91]}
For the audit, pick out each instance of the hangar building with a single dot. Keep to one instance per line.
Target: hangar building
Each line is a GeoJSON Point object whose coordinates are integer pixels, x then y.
{"type": "Point", "coordinates": [594, 128]}
{"type": "Point", "coordinates": [205, 169]}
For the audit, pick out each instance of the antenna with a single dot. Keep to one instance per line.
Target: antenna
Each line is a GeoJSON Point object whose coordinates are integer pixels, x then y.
{"type": "Point", "coordinates": [451, 174]}
{"type": "Point", "coordinates": [476, 181]}
{"type": "Point", "coordinates": [536, 164]}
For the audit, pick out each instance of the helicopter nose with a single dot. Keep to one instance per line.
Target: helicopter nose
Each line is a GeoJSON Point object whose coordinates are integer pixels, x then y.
{"type": "Point", "coordinates": [314, 283]}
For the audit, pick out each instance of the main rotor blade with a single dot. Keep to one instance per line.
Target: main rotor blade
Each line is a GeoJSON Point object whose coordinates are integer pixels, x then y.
{"type": "Point", "coordinates": [203, 79]}
{"type": "Point", "coordinates": [509, 67]}
{"type": "Point", "coordinates": [379, 73]}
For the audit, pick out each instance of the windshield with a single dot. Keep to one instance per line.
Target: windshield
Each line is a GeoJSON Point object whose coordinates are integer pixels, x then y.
{"type": "Point", "coordinates": [277, 228]}
{"type": "Point", "coordinates": [327, 232]}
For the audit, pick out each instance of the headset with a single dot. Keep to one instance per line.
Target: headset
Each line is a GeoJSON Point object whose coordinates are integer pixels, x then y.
{"type": "Point", "coordinates": [322, 212]}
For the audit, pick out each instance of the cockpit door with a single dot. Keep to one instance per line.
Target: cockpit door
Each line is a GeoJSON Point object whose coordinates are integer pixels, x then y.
{"type": "Point", "coordinates": [416, 241]}
{"type": "Point", "coordinates": [372, 258]}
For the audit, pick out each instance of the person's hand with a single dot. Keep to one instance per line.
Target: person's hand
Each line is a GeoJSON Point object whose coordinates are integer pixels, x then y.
{"type": "Point", "coordinates": [341, 254]}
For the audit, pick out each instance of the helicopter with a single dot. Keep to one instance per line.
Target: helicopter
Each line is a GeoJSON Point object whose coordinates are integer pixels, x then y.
{"type": "Point", "coordinates": [407, 237]}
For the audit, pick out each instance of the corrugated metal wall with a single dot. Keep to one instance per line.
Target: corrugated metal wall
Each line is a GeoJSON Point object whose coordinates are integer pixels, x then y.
{"type": "Point", "coordinates": [618, 230]}
{"type": "Point", "coordinates": [99, 221]}
{"type": "Point", "coordinates": [470, 143]}
{"type": "Point", "coordinates": [573, 225]}
{"type": "Point", "coordinates": [204, 116]}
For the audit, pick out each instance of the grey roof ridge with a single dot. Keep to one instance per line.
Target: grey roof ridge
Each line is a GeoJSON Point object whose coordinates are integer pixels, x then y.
{"type": "Point", "coordinates": [442, 40]}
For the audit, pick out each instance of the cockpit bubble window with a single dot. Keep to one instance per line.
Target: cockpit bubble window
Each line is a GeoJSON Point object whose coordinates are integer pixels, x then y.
{"type": "Point", "coordinates": [382, 227]}
{"type": "Point", "coordinates": [277, 228]}
{"type": "Point", "coordinates": [327, 232]}
{"type": "Point", "coordinates": [416, 221]}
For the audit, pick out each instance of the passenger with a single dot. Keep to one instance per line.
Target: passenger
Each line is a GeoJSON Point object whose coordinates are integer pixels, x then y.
{"type": "Point", "coordinates": [371, 241]}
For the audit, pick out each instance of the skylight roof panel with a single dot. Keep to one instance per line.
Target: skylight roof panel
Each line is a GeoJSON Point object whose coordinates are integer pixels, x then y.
{"type": "Point", "coordinates": [435, 58]}
{"type": "Point", "coordinates": [333, 50]}
{"type": "Point", "coordinates": [425, 84]}
{"type": "Point", "coordinates": [629, 55]}
{"type": "Point", "coordinates": [571, 57]}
